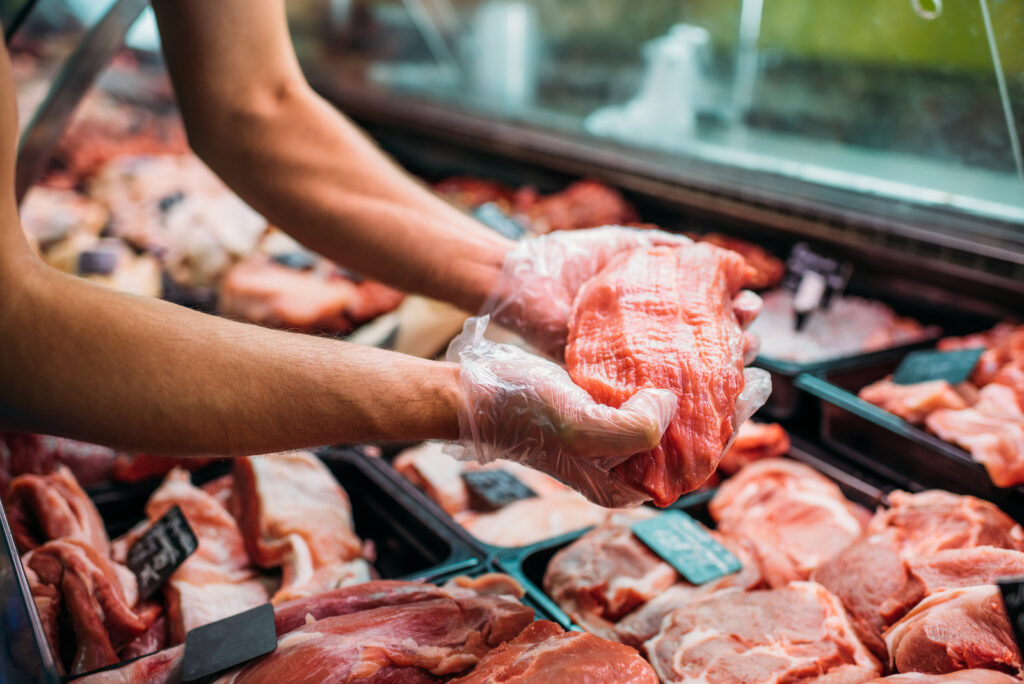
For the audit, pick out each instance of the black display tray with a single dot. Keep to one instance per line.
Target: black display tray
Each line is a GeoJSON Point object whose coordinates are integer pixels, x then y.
{"type": "Point", "coordinates": [900, 451]}
{"type": "Point", "coordinates": [410, 544]}
{"type": "Point", "coordinates": [529, 563]}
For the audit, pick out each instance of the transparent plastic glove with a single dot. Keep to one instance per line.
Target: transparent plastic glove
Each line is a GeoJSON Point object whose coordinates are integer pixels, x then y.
{"type": "Point", "coordinates": [541, 276]}
{"type": "Point", "coordinates": [521, 407]}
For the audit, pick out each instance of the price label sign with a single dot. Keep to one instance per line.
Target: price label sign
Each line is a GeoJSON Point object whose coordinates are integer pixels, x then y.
{"type": "Point", "coordinates": [229, 642]}
{"type": "Point", "coordinates": [814, 278]}
{"type": "Point", "coordinates": [160, 551]}
{"type": "Point", "coordinates": [491, 215]}
{"type": "Point", "coordinates": [490, 490]}
{"type": "Point", "coordinates": [924, 366]}
{"type": "Point", "coordinates": [683, 543]}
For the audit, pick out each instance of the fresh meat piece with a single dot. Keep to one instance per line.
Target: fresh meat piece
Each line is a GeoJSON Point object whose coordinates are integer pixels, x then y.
{"type": "Point", "coordinates": [262, 291]}
{"type": "Point", "coordinates": [69, 576]}
{"type": "Point", "coordinates": [467, 192]}
{"type": "Point", "coordinates": [488, 584]}
{"type": "Point", "coordinates": [1012, 375]}
{"type": "Point", "coordinates": [26, 453]}
{"type": "Point", "coordinates": [914, 402]}
{"type": "Point", "coordinates": [215, 582]}
{"type": "Point", "coordinates": [959, 677]}
{"type": "Point", "coordinates": [875, 577]}
{"type": "Point", "coordinates": [164, 667]}
{"type": "Point", "coordinates": [954, 630]}
{"type": "Point", "coordinates": [606, 574]}
{"type": "Point", "coordinates": [294, 515]}
{"type": "Point", "coordinates": [992, 431]}
{"type": "Point", "coordinates": [150, 641]}
{"type": "Point", "coordinates": [584, 204]}
{"type": "Point", "coordinates": [791, 634]}
{"type": "Point", "coordinates": [437, 474]}
{"type": "Point", "coordinates": [662, 318]}
{"type": "Point", "coordinates": [410, 643]}
{"type": "Point", "coordinates": [754, 441]}
{"type": "Point", "coordinates": [795, 517]}
{"type": "Point", "coordinates": [49, 215]}
{"type": "Point", "coordinates": [768, 268]}
{"type": "Point", "coordinates": [545, 653]}
{"type": "Point", "coordinates": [644, 622]}
{"type": "Point", "coordinates": [45, 507]}
{"type": "Point", "coordinates": [1004, 344]}
{"type": "Point", "coordinates": [138, 467]}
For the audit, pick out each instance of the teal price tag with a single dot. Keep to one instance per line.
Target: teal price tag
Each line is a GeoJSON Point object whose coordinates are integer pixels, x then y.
{"type": "Point", "coordinates": [682, 543]}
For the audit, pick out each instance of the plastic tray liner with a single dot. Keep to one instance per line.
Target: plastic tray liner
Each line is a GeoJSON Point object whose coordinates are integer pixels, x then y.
{"type": "Point", "coordinates": [529, 564]}
{"type": "Point", "coordinates": [899, 451]}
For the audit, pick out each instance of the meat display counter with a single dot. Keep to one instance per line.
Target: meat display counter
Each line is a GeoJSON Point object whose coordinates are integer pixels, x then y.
{"type": "Point", "coordinates": [889, 143]}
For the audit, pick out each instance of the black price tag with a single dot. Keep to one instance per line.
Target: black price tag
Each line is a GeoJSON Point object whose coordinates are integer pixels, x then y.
{"type": "Point", "coordinates": [490, 490]}
{"type": "Point", "coordinates": [1012, 589]}
{"type": "Point", "coordinates": [813, 278]}
{"type": "Point", "coordinates": [681, 542]}
{"type": "Point", "coordinates": [229, 642]}
{"type": "Point", "coordinates": [160, 551]}
{"type": "Point", "coordinates": [923, 366]}
{"type": "Point", "coordinates": [491, 215]}
{"type": "Point", "coordinates": [297, 261]}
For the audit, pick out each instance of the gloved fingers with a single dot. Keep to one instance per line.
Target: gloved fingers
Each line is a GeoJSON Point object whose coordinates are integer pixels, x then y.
{"type": "Point", "coordinates": [746, 306]}
{"type": "Point", "coordinates": [610, 436]}
{"type": "Point", "coordinates": [751, 347]}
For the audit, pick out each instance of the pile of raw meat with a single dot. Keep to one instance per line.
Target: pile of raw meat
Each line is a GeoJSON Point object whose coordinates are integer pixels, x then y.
{"type": "Point", "coordinates": [827, 592]}
{"type": "Point", "coordinates": [556, 509]}
{"type": "Point", "coordinates": [277, 529]}
{"type": "Point", "coordinates": [984, 415]}
{"type": "Point", "coordinates": [849, 326]}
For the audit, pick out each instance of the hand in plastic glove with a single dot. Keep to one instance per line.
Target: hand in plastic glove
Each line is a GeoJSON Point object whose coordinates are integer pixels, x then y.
{"type": "Point", "coordinates": [518, 406]}
{"type": "Point", "coordinates": [541, 276]}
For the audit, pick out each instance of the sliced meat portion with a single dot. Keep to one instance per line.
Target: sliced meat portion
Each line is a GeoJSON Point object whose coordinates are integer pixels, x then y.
{"type": "Point", "coordinates": [215, 581]}
{"type": "Point", "coordinates": [910, 548]}
{"type": "Point", "coordinates": [467, 192]}
{"type": "Point", "coordinates": [583, 204]}
{"type": "Point", "coordinates": [914, 402]}
{"type": "Point", "coordinates": [992, 431]}
{"type": "Point", "coordinates": [662, 318]}
{"type": "Point", "coordinates": [409, 643]}
{"type": "Point", "coordinates": [138, 467]}
{"type": "Point", "coordinates": [753, 442]}
{"type": "Point", "coordinates": [545, 653]}
{"type": "Point", "coordinates": [1004, 344]}
{"type": "Point", "coordinates": [954, 630]}
{"type": "Point", "coordinates": [45, 507]}
{"type": "Point", "coordinates": [790, 634]}
{"type": "Point", "coordinates": [959, 677]}
{"type": "Point", "coordinates": [26, 453]}
{"type": "Point", "coordinates": [768, 268]}
{"type": "Point", "coordinates": [437, 474]}
{"type": "Point", "coordinates": [70, 577]}
{"type": "Point", "coordinates": [795, 517]}
{"type": "Point", "coordinates": [293, 514]}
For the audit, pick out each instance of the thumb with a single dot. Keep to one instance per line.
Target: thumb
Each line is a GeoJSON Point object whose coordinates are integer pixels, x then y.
{"type": "Point", "coordinates": [634, 427]}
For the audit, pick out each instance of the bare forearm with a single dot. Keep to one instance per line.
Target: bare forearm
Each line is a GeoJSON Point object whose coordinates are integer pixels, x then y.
{"type": "Point", "coordinates": [145, 375]}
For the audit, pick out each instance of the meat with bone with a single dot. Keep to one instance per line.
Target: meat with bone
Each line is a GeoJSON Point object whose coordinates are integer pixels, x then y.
{"type": "Point", "coordinates": [953, 630]}
{"type": "Point", "coordinates": [916, 547]}
{"type": "Point", "coordinates": [754, 441]}
{"type": "Point", "coordinates": [795, 518]}
{"type": "Point", "coordinates": [69, 577]}
{"type": "Point", "coordinates": [914, 402]}
{"type": "Point", "coordinates": [545, 653]}
{"type": "Point", "coordinates": [608, 576]}
{"type": "Point", "coordinates": [663, 318]}
{"type": "Point", "coordinates": [215, 581]}
{"type": "Point", "coordinates": [294, 515]}
{"type": "Point", "coordinates": [959, 677]}
{"type": "Point", "coordinates": [992, 430]}
{"type": "Point", "coordinates": [555, 510]}
{"type": "Point", "coordinates": [41, 508]}
{"type": "Point", "coordinates": [796, 633]}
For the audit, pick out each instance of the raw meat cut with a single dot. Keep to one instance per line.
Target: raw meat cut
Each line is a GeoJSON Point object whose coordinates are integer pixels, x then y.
{"type": "Point", "coordinates": [294, 515]}
{"type": "Point", "coordinates": [920, 533]}
{"type": "Point", "coordinates": [849, 326]}
{"type": "Point", "coordinates": [914, 402]}
{"type": "Point", "coordinates": [467, 192]}
{"type": "Point", "coordinates": [545, 653]}
{"type": "Point", "coordinates": [662, 318]}
{"type": "Point", "coordinates": [215, 581]}
{"type": "Point", "coordinates": [69, 576]}
{"type": "Point", "coordinates": [609, 576]}
{"type": "Point", "coordinates": [954, 630]}
{"type": "Point", "coordinates": [959, 677]}
{"type": "Point", "coordinates": [554, 511]}
{"type": "Point", "coordinates": [25, 453]}
{"type": "Point", "coordinates": [768, 268]}
{"type": "Point", "coordinates": [795, 517]}
{"type": "Point", "coordinates": [410, 643]}
{"type": "Point", "coordinates": [138, 467]}
{"type": "Point", "coordinates": [753, 442]}
{"type": "Point", "coordinates": [583, 204]}
{"type": "Point", "coordinates": [45, 507]}
{"type": "Point", "coordinates": [992, 431]}
{"type": "Point", "coordinates": [1004, 344]}
{"type": "Point", "coordinates": [794, 633]}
